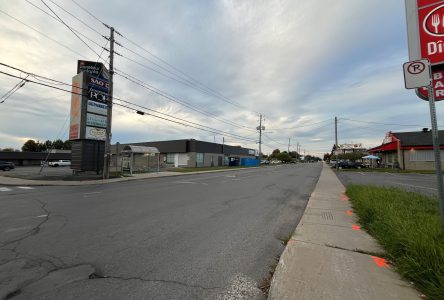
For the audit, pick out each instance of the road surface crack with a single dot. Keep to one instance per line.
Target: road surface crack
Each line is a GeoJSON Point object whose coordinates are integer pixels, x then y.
{"type": "Point", "coordinates": [31, 232]}
{"type": "Point", "coordinates": [96, 276]}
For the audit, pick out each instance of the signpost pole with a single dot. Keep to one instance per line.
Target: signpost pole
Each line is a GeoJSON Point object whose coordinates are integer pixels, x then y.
{"type": "Point", "coordinates": [437, 150]}
{"type": "Point", "coordinates": [107, 160]}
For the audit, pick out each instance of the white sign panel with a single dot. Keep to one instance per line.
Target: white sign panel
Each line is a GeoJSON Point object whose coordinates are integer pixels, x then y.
{"type": "Point", "coordinates": [94, 133]}
{"type": "Point", "coordinates": [417, 74]}
{"type": "Point", "coordinates": [95, 120]}
{"type": "Point", "coordinates": [97, 107]}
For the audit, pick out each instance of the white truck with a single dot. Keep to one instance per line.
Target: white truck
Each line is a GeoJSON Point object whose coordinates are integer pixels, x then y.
{"type": "Point", "coordinates": [59, 163]}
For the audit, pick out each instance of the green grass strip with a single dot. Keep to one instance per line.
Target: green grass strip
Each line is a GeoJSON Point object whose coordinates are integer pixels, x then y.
{"type": "Point", "coordinates": [408, 226]}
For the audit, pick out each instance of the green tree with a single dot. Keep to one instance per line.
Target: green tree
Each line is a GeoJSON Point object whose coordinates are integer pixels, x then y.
{"type": "Point", "coordinates": [30, 146]}
{"type": "Point", "coordinates": [284, 157]}
{"type": "Point", "coordinates": [58, 144]}
{"type": "Point", "coordinates": [67, 145]}
{"type": "Point", "coordinates": [48, 145]}
{"type": "Point", "coordinates": [41, 146]}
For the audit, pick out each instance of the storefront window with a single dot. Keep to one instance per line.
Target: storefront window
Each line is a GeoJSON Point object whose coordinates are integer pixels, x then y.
{"type": "Point", "coordinates": [170, 158]}
{"type": "Point", "coordinates": [199, 159]}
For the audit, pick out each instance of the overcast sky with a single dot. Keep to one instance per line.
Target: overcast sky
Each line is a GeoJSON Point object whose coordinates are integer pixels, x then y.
{"type": "Point", "coordinates": [299, 63]}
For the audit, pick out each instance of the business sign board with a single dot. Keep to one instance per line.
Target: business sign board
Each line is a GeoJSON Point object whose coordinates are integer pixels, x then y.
{"type": "Point", "coordinates": [94, 133]}
{"type": "Point", "coordinates": [425, 28]}
{"type": "Point", "coordinates": [97, 95]}
{"type": "Point", "coordinates": [97, 108]}
{"type": "Point", "coordinates": [98, 84]}
{"type": "Point", "coordinates": [417, 74]}
{"type": "Point", "coordinates": [93, 68]}
{"type": "Point", "coordinates": [76, 107]}
{"type": "Point", "coordinates": [96, 120]}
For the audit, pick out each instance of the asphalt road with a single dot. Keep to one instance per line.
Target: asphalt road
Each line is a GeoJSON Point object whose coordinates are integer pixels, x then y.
{"type": "Point", "coordinates": [419, 183]}
{"type": "Point", "coordinates": [206, 236]}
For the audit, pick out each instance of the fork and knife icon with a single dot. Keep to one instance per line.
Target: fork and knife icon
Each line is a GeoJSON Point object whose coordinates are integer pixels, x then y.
{"type": "Point", "coordinates": [436, 20]}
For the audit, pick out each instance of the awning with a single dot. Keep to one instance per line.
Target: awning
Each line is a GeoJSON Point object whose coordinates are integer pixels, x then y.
{"type": "Point", "coordinates": [385, 147]}
{"type": "Point", "coordinates": [140, 149]}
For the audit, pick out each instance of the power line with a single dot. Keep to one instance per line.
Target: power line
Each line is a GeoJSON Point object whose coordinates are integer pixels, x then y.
{"type": "Point", "coordinates": [190, 124]}
{"type": "Point", "coordinates": [377, 123]}
{"type": "Point", "coordinates": [301, 126]}
{"type": "Point", "coordinates": [77, 31]}
{"type": "Point", "coordinates": [197, 84]}
{"type": "Point", "coordinates": [70, 29]}
{"type": "Point", "coordinates": [14, 89]}
{"type": "Point", "coordinates": [77, 18]}
{"type": "Point", "coordinates": [175, 99]}
{"type": "Point", "coordinates": [89, 13]}
{"type": "Point", "coordinates": [45, 35]}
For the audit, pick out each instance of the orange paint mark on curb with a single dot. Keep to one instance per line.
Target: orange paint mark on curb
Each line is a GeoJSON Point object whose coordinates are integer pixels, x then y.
{"type": "Point", "coordinates": [349, 212]}
{"type": "Point", "coordinates": [356, 227]}
{"type": "Point", "coordinates": [380, 262]}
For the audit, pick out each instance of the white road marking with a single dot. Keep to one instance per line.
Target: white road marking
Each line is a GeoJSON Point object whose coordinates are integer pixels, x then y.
{"type": "Point", "coordinates": [204, 183]}
{"type": "Point", "coordinates": [25, 187]}
{"type": "Point", "coordinates": [91, 193]}
{"type": "Point", "coordinates": [415, 186]}
{"type": "Point", "coordinates": [230, 176]}
{"type": "Point", "coordinates": [186, 182]}
{"type": "Point", "coordinates": [5, 189]}
{"type": "Point", "coordinates": [361, 173]}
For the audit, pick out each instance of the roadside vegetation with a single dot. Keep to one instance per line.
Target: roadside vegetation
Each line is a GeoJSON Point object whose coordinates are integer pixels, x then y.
{"type": "Point", "coordinates": [408, 226]}
{"type": "Point", "coordinates": [389, 170]}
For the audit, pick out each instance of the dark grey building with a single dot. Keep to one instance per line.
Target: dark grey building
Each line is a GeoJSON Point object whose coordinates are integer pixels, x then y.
{"type": "Point", "coordinates": [34, 158]}
{"type": "Point", "coordinates": [191, 153]}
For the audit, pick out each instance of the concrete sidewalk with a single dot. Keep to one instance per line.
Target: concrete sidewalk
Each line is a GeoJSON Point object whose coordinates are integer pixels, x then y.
{"type": "Point", "coordinates": [330, 257]}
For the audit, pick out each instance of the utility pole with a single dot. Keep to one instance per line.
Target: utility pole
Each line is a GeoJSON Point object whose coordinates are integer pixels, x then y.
{"type": "Point", "coordinates": [260, 128]}
{"type": "Point", "coordinates": [107, 161]}
{"type": "Point", "coordinates": [288, 146]}
{"type": "Point", "coordinates": [336, 132]}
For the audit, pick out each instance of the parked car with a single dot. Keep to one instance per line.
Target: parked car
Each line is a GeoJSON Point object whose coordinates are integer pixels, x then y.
{"type": "Point", "coordinates": [61, 163]}
{"type": "Point", "coordinates": [6, 165]}
{"type": "Point", "coordinates": [349, 165]}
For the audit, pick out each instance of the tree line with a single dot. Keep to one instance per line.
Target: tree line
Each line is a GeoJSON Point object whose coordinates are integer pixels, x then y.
{"type": "Point", "coordinates": [37, 146]}
{"type": "Point", "coordinates": [287, 157]}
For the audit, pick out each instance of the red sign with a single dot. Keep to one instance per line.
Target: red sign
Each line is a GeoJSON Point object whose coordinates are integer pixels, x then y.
{"type": "Point", "coordinates": [438, 84]}
{"type": "Point", "coordinates": [431, 30]}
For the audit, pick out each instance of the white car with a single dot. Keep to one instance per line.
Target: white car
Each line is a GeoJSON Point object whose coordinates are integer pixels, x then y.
{"type": "Point", "coordinates": [59, 163]}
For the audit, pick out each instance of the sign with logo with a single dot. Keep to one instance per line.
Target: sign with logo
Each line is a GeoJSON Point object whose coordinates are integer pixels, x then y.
{"type": "Point", "coordinates": [97, 108]}
{"type": "Point", "coordinates": [431, 30]}
{"type": "Point", "coordinates": [99, 84]}
{"type": "Point", "coordinates": [96, 69]}
{"type": "Point", "coordinates": [417, 74]}
{"type": "Point", "coordinates": [97, 95]}
{"type": "Point", "coordinates": [425, 28]}
{"type": "Point", "coordinates": [94, 133]}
